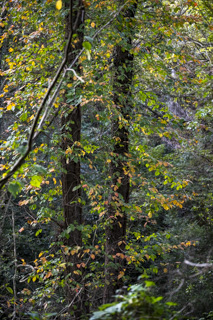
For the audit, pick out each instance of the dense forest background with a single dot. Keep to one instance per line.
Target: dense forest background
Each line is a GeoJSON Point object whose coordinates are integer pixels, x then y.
{"type": "Point", "coordinates": [106, 148]}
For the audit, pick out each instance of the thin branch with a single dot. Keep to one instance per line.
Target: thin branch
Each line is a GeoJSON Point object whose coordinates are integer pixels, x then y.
{"type": "Point", "coordinates": [157, 114]}
{"type": "Point", "coordinates": [21, 160]}
{"type": "Point", "coordinates": [75, 74]}
{"type": "Point", "coordinates": [181, 311]}
{"type": "Point", "coordinates": [24, 278]}
{"type": "Point", "coordinates": [198, 265]}
{"type": "Point", "coordinates": [177, 289]}
{"type": "Point", "coordinates": [15, 266]}
{"type": "Point", "coordinates": [69, 305]}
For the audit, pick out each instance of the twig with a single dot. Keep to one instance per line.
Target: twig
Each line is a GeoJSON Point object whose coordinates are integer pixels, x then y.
{"type": "Point", "coordinates": [177, 289]}
{"type": "Point", "coordinates": [24, 278]}
{"type": "Point", "coordinates": [69, 305]}
{"type": "Point", "coordinates": [180, 311]}
{"type": "Point", "coordinates": [75, 74]}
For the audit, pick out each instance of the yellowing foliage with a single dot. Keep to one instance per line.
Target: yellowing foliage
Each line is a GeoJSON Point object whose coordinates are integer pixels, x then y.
{"type": "Point", "coordinates": [58, 5]}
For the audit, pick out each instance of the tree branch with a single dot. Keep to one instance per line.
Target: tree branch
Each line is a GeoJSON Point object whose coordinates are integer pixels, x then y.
{"type": "Point", "coordinates": [199, 265]}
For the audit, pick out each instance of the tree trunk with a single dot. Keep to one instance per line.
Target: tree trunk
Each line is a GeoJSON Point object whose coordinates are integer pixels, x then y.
{"type": "Point", "coordinates": [116, 216]}
{"type": "Point", "coordinates": [71, 133]}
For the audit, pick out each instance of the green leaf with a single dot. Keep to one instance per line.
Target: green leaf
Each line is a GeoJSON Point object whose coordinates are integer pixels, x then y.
{"type": "Point", "coordinates": [171, 303]}
{"type": "Point", "coordinates": [10, 290]}
{"type": "Point", "coordinates": [15, 188]}
{"type": "Point", "coordinates": [149, 283]}
{"type": "Point", "coordinates": [38, 232]}
{"type": "Point", "coordinates": [36, 181]}
{"type": "Point", "coordinates": [40, 169]}
{"type": "Point", "coordinates": [157, 299]}
{"type": "Point", "coordinates": [155, 270]}
{"type": "Point", "coordinates": [87, 45]}
{"type": "Point", "coordinates": [77, 187]}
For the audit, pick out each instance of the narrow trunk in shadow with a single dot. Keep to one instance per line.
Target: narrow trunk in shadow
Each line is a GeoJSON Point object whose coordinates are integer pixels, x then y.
{"type": "Point", "coordinates": [71, 134]}
{"type": "Point", "coordinates": [116, 216]}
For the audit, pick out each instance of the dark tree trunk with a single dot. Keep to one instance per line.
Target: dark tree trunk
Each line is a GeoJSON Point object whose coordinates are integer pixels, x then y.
{"type": "Point", "coordinates": [71, 134]}
{"type": "Point", "coordinates": [116, 216]}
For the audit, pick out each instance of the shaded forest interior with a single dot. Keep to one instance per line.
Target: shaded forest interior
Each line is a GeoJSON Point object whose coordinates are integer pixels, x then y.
{"type": "Point", "coordinates": [106, 153]}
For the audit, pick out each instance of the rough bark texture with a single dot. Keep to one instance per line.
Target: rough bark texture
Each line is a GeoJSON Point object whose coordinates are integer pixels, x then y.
{"type": "Point", "coordinates": [116, 220]}
{"type": "Point", "coordinates": [71, 133]}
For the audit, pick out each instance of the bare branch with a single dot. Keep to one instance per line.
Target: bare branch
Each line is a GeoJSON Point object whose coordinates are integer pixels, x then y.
{"type": "Point", "coordinates": [21, 160]}
{"type": "Point", "coordinates": [198, 265]}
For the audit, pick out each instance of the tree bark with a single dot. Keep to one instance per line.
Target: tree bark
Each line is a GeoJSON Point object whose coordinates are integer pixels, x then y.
{"type": "Point", "coordinates": [71, 134]}
{"type": "Point", "coordinates": [116, 216]}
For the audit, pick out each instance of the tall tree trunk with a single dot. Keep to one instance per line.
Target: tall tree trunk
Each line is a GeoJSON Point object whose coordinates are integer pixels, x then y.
{"type": "Point", "coordinates": [116, 224]}
{"type": "Point", "coordinates": [71, 133]}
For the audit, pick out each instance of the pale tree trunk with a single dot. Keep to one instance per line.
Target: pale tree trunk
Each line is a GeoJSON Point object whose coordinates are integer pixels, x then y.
{"type": "Point", "coordinates": [71, 134]}
{"type": "Point", "coordinates": [116, 217]}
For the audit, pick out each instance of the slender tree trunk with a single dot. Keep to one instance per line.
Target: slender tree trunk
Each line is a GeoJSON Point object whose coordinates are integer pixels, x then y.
{"type": "Point", "coordinates": [71, 133]}
{"type": "Point", "coordinates": [4, 123]}
{"type": "Point", "coordinates": [116, 220]}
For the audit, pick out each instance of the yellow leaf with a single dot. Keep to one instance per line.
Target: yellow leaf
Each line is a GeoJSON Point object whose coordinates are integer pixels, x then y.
{"type": "Point", "coordinates": [58, 5]}
{"type": "Point", "coordinates": [121, 274]}
{"type": "Point", "coordinates": [49, 274]}
{"type": "Point", "coordinates": [10, 50]}
{"type": "Point", "coordinates": [102, 213]}
{"type": "Point", "coordinates": [43, 260]}
{"type": "Point", "coordinates": [22, 203]}
{"type": "Point", "coordinates": [165, 206]}
{"type": "Point", "coordinates": [10, 106]}
{"type": "Point", "coordinates": [23, 262]}
{"type": "Point", "coordinates": [165, 270]}
{"type": "Point", "coordinates": [150, 214]}
{"type": "Point", "coordinates": [93, 24]}
{"type": "Point", "coordinates": [76, 272]}
{"type": "Point", "coordinates": [86, 250]}
{"type": "Point", "coordinates": [138, 209]}
{"type": "Point", "coordinates": [34, 279]}
{"type": "Point", "coordinates": [92, 256]}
